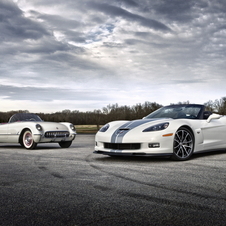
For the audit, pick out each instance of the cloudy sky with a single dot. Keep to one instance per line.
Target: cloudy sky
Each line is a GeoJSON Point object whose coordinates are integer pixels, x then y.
{"type": "Point", "coordinates": [85, 54]}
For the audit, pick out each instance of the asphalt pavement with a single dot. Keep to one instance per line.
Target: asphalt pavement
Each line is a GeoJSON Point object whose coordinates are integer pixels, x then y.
{"type": "Point", "coordinates": [55, 186]}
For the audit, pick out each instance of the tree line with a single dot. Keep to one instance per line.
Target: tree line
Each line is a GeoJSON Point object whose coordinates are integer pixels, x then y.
{"type": "Point", "coordinates": [111, 112]}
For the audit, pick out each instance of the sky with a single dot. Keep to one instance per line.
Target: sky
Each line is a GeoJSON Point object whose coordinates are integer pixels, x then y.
{"type": "Point", "coordinates": [86, 54]}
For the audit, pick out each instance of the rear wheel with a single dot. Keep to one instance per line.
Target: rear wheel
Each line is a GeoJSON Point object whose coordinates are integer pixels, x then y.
{"type": "Point", "coordinates": [183, 144]}
{"type": "Point", "coordinates": [27, 140]}
{"type": "Point", "coordinates": [65, 144]}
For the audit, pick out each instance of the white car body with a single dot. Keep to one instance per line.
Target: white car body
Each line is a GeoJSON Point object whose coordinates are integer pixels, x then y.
{"type": "Point", "coordinates": [181, 137]}
{"type": "Point", "coordinates": [29, 130]}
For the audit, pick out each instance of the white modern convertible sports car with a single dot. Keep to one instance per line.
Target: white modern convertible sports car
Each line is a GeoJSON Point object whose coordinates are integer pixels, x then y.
{"type": "Point", "coordinates": [176, 131]}
{"type": "Point", "coordinates": [29, 130]}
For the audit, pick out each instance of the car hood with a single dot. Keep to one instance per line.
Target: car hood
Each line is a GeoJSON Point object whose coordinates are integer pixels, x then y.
{"type": "Point", "coordinates": [121, 130]}
{"type": "Point", "coordinates": [135, 124]}
{"type": "Point", "coordinates": [52, 126]}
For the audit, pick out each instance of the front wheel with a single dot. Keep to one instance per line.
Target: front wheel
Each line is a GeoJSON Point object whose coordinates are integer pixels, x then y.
{"type": "Point", "coordinates": [65, 144]}
{"type": "Point", "coordinates": [183, 144]}
{"type": "Point", "coordinates": [28, 141]}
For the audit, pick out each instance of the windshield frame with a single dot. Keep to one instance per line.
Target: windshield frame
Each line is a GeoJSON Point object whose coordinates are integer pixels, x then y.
{"type": "Point", "coordinates": [180, 110]}
{"type": "Point", "coordinates": [25, 117]}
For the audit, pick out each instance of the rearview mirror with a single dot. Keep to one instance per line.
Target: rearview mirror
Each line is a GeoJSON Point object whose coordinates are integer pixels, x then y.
{"type": "Point", "coordinates": [213, 116]}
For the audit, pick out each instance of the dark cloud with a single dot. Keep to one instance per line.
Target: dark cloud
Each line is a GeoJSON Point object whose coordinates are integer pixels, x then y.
{"type": "Point", "coordinates": [155, 44]}
{"type": "Point", "coordinates": [219, 6]}
{"type": "Point", "coordinates": [8, 9]}
{"type": "Point", "coordinates": [112, 45]}
{"type": "Point", "coordinates": [174, 9]}
{"type": "Point", "coordinates": [130, 3]}
{"type": "Point", "coordinates": [14, 25]}
{"type": "Point", "coordinates": [75, 36]}
{"type": "Point", "coordinates": [120, 12]}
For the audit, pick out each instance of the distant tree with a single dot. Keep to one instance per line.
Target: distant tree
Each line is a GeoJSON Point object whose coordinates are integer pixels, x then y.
{"type": "Point", "coordinates": [149, 107]}
{"type": "Point", "coordinates": [183, 102]}
{"type": "Point", "coordinates": [138, 111]}
{"type": "Point", "coordinates": [111, 112]}
{"type": "Point", "coordinates": [220, 106]}
{"type": "Point", "coordinates": [210, 106]}
{"type": "Point", "coordinates": [66, 111]}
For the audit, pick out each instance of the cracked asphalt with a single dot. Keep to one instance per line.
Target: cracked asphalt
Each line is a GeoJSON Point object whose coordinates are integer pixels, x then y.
{"type": "Point", "coordinates": [55, 186]}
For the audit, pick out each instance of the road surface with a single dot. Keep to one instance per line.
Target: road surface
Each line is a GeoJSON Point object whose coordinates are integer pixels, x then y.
{"type": "Point", "coordinates": [55, 186]}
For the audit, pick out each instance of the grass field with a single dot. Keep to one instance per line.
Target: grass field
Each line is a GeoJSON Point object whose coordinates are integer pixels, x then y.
{"type": "Point", "coordinates": [86, 128]}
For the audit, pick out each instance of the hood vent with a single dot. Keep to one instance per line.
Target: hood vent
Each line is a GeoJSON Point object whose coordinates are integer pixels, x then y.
{"type": "Point", "coordinates": [124, 129]}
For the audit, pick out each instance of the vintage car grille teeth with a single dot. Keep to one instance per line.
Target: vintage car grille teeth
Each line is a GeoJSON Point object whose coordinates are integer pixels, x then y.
{"type": "Point", "coordinates": [52, 134]}
{"type": "Point", "coordinates": [125, 146]}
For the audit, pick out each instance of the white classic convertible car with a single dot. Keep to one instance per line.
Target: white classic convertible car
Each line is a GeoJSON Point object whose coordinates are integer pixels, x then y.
{"type": "Point", "coordinates": [29, 129]}
{"type": "Point", "coordinates": [175, 130]}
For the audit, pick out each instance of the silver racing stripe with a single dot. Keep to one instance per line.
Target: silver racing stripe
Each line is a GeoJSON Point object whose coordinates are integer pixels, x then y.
{"type": "Point", "coordinates": [117, 132]}
{"type": "Point", "coordinates": [121, 132]}
{"type": "Point", "coordinates": [118, 135]}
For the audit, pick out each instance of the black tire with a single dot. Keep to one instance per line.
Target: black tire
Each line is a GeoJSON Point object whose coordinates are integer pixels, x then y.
{"type": "Point", "coordinates": [183, 144]}
{"type": "Point", "coordinates": [65, 144]}
{"type": "Point", "coordinates": [21, 141]}
{"type": "Point", "coordinates": [27, 140]}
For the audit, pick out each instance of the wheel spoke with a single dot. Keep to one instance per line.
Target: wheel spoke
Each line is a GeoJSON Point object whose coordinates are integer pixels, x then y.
{"type": "Point", "coordinates": [187, 146]}
{"type": "Point", "coordinates": [182, 136]}
{"type": "Point", "coordinates": [185, 138]}
{"type": "Point", "coordinates": [187, 141]}
{"type": "Point", "coordinates": [185, 151]}
{"type": "Point", "coordinates": [179, 150]}
{"type": "Point", "coordinates": [178, 137]}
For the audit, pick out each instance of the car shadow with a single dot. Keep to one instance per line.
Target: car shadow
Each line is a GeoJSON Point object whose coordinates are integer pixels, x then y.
{"type": "Point", "coordinates": [207, 153]}
{"type": "Point", "coordinates": [106, 158]}
{"type": "Point", "coordinates": [11, 146]}
{"type": "Point", "coordinates": [17, 146]}
{"type": "Point", "coordinates": [132, 159]}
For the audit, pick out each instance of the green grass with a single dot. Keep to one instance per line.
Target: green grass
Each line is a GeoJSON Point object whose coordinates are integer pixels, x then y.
{"type": "Point", "coordinates": [92, 129]}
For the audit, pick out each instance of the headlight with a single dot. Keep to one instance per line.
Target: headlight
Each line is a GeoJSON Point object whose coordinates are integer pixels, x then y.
{"type": "Point", "coordinates": [72, 127]}
{"type": "Point", "coordinates": [104, 128]}
{"type": "Point", "coordinates": [38, 127]}
{"type": "Point", "coordinates": [157, 127]}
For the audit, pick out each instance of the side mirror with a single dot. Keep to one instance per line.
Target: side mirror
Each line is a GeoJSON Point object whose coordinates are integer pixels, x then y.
{"type": "Point", "coordinates": [213, 116]}
{"type": "Point", "coordinates": [206, 114]}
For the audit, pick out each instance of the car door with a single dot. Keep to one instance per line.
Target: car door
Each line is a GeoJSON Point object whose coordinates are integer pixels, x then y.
{"type": "Point", "coordinates": [3, 132]}
{"type": "Point", "coordinates": [214, 133]}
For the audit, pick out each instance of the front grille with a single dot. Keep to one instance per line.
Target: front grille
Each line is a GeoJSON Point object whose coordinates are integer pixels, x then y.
{"type": "Point", "coordinates": [125, 146]}
{"type": "Point", "coordinates": [52, 134]}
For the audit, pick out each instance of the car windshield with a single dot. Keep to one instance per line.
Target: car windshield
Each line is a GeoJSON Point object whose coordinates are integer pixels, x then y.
{"type": "Point", "coordinates": [177, 111]}
{"type": "Point", "coordinates": [25, 117]}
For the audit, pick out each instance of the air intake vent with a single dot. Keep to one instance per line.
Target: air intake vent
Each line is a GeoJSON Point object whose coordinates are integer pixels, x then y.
{"type": "Point", "coordinates": [125, 146]}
